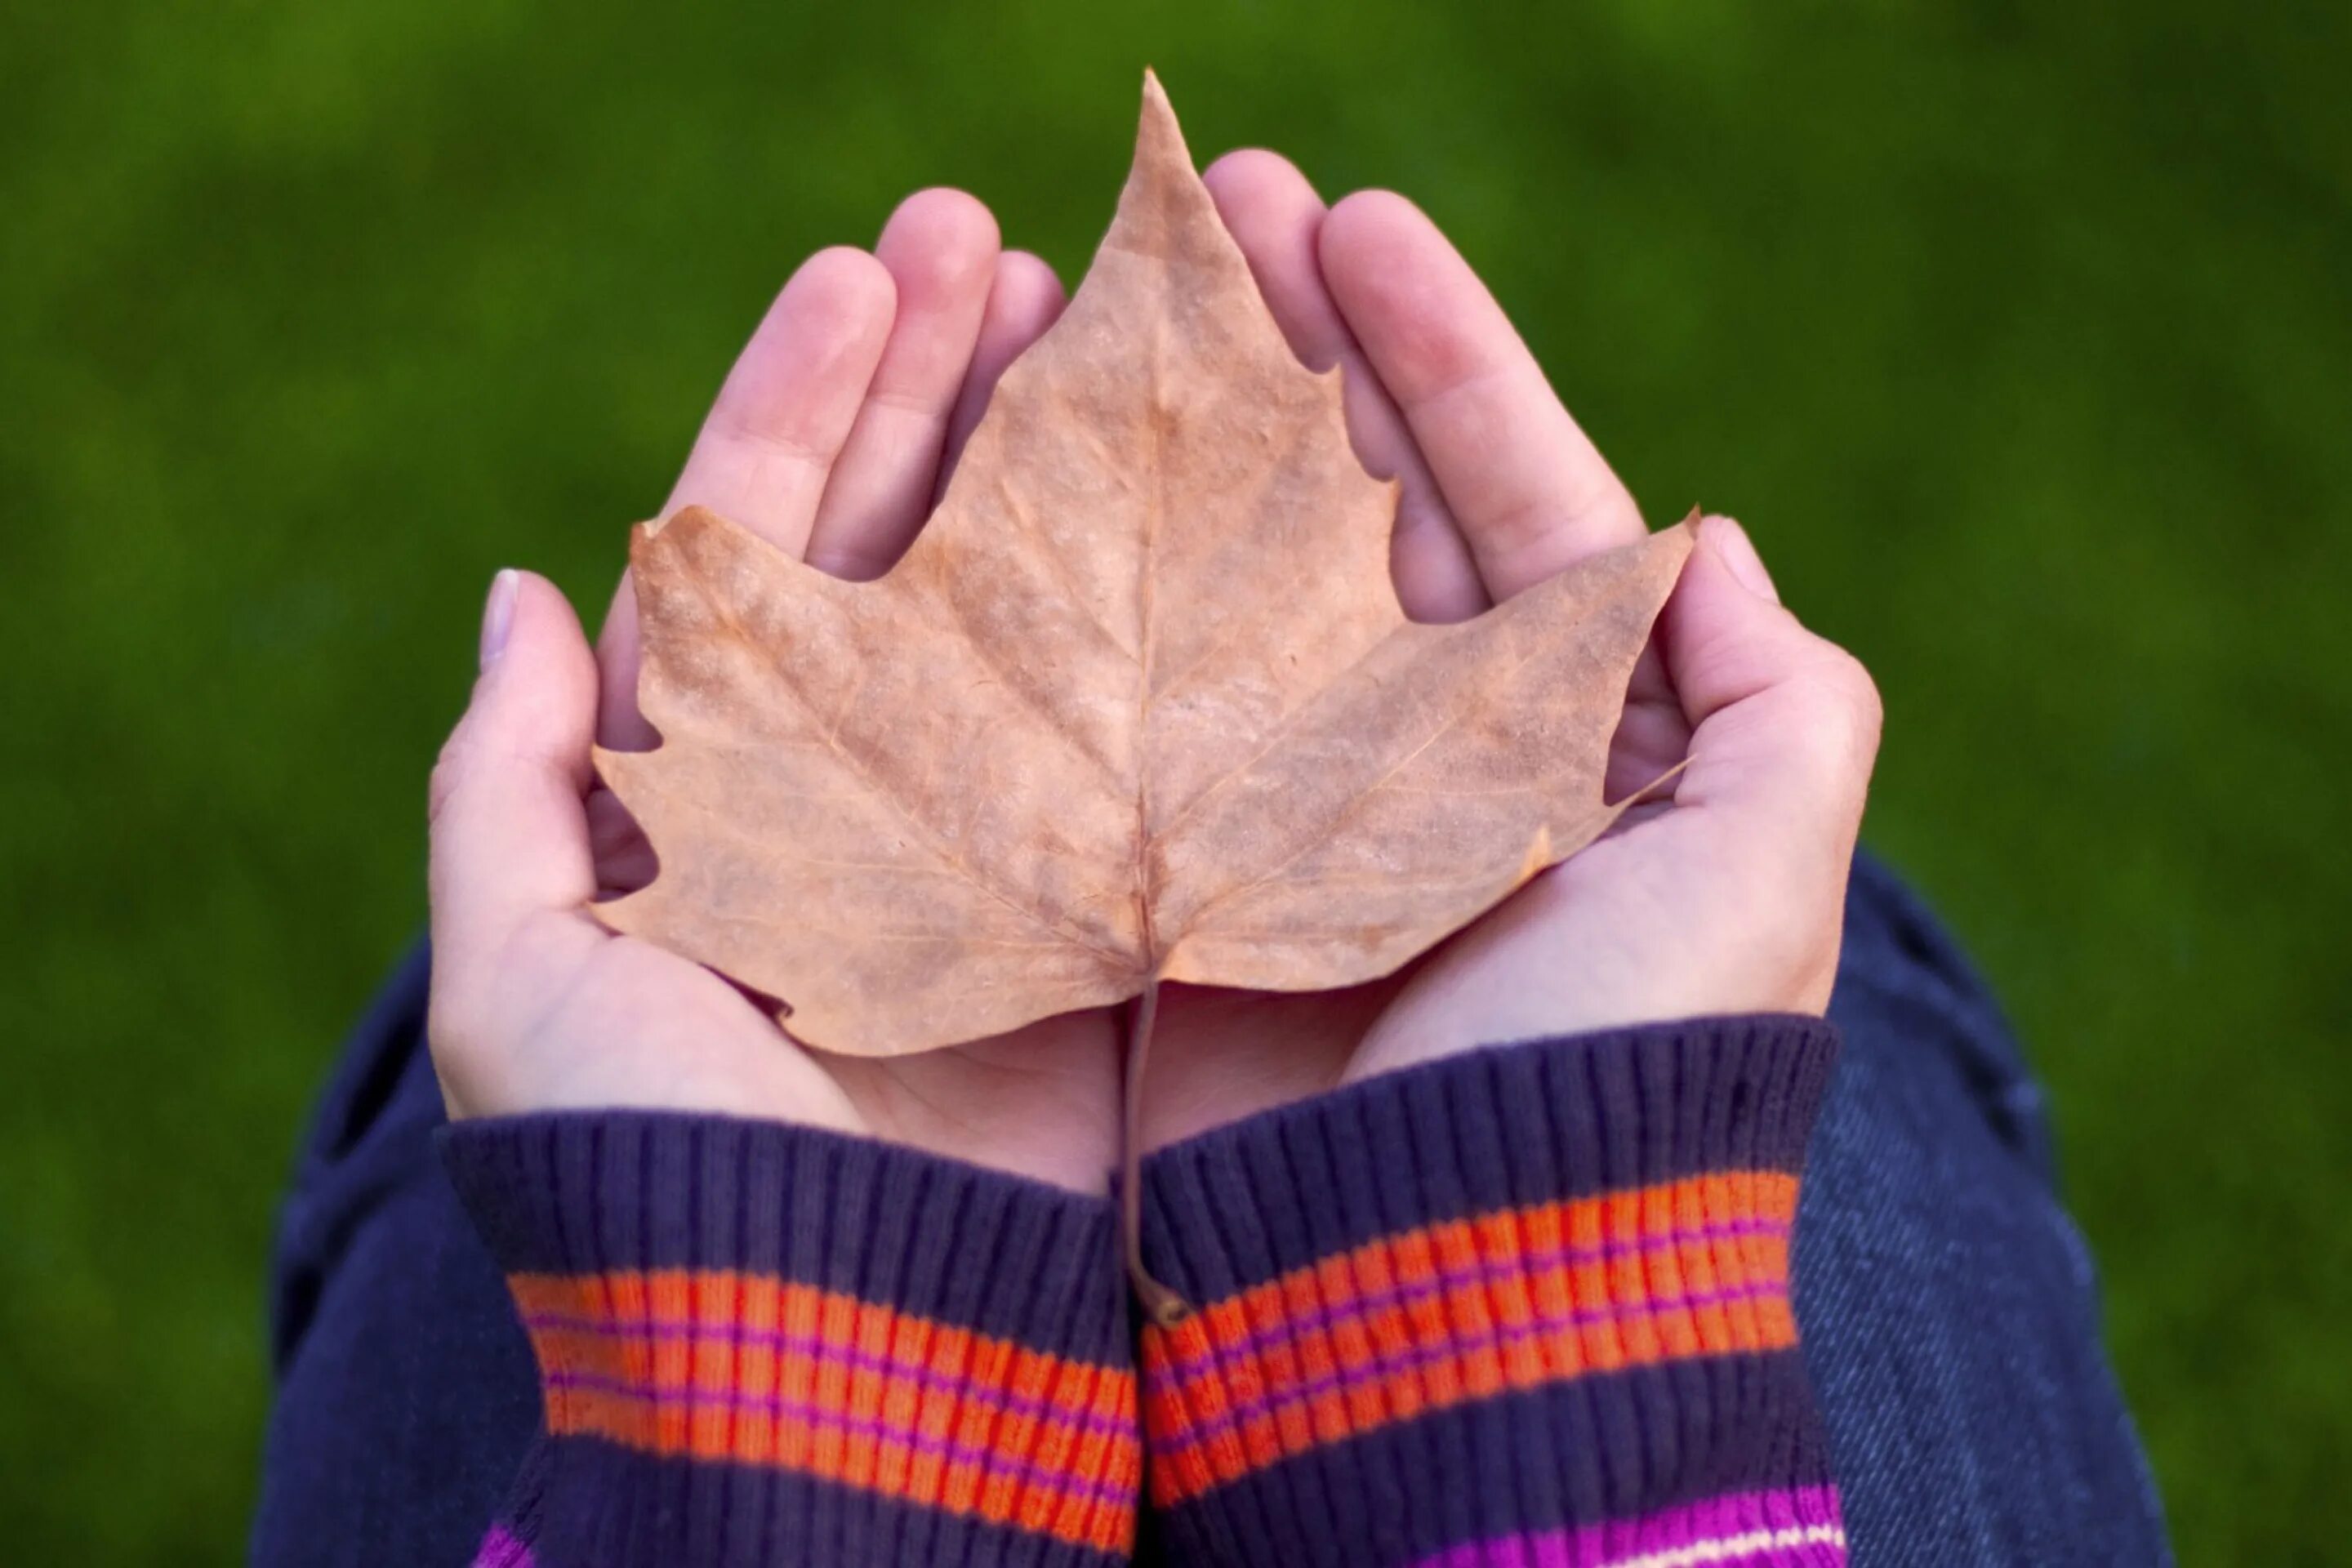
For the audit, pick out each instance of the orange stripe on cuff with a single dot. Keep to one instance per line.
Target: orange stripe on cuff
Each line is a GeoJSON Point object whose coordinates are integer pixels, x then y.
{"type": "Point", "coordinates": [718, 1365]}
{"type": "Point", "coordinates": [1438, 1315]}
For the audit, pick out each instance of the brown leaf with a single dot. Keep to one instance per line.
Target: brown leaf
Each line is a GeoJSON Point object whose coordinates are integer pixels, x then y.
{"type": "Point", "coordinates": [1138, 704]}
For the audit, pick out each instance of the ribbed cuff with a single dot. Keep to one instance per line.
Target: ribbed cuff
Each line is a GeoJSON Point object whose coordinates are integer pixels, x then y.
{"type": "Point", "coordinates": [762, 1343]}
{"type": "Point", "coordinates": [1497, 1304]}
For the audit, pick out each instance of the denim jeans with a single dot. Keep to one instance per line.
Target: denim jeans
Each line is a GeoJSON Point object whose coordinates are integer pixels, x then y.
{"type": "Point", "coordinates": [1949, 1307]}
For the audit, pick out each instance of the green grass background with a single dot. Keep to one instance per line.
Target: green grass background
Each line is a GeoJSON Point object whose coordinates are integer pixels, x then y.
{"type": "Point", "coordinates": [2021, 336]}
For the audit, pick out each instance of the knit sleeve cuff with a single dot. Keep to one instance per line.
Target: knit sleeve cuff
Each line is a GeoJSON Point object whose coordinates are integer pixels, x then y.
{"type": "Point", "coordinates": [1533, 1300]}
{"type": "Point", "coordinates": [763, 1342]}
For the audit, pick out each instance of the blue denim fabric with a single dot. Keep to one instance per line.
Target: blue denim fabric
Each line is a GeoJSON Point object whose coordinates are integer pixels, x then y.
{"type": "Point", "coordinates": [406, 1393]}
{"type": "Point", "coordinates": [1949, 1307]}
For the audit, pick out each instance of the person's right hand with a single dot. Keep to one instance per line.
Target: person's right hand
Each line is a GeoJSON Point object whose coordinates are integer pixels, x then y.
{"type": "Point", "coordinates": [831, 438]}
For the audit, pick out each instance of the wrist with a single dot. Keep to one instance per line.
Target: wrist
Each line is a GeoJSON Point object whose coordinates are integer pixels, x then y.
{"type": "Point", "coordinates": [855, 1330]}
{"type": "Point", "coordinates": [1525, 1245]}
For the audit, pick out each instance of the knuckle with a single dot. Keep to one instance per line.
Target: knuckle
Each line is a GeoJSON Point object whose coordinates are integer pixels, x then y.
{"type": "Point", "coordinates": [1861, 692]}
{"type": "Point", "coordinates": [1842, 715]}
{"type": "Point", "coordinates": [1851, 702]}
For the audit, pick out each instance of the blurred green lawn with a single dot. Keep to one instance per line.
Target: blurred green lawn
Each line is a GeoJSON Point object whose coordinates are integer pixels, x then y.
{"type": "Point", "coordinates": [2022, 337]}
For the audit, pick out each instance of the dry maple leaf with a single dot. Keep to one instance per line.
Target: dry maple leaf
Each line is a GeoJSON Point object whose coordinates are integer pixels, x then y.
{"type": "Point", "coordinates": [1138, 704]}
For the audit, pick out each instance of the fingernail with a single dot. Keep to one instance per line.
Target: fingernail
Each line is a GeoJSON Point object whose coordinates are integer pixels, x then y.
{"type": "Point", "coordinates": [497, 614]}
{"type": "Point", "coordinates": [1738, 552]}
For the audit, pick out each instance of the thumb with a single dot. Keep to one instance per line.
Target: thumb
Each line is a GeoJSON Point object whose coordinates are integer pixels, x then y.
{"type": "Point", "coordinates": [509, 828]}
{"type": "Point", "coordinates": [1783, 723]}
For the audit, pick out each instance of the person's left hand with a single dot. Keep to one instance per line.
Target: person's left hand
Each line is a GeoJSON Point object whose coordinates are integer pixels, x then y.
{"type": "Point", "coordinates": [1727, 901]}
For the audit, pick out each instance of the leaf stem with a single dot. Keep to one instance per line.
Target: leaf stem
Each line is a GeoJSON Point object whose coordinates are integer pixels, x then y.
{"type": "Point", "coordinates": [1165, 1307]}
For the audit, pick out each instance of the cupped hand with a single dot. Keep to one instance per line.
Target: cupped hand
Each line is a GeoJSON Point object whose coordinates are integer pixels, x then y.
{"type": "Point", "coordinates": [1730, 899]}
{"type": "Point", "coordinates": [831, 437]}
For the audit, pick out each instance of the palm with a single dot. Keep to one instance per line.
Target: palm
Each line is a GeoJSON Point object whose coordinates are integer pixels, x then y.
{"type": "Point", "coordinates": [1548, 951]}
{"type": "Point", "coordinates": [633, 1025]}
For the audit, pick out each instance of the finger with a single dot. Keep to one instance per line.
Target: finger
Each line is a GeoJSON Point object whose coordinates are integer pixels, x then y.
{"type": "Point", "coordinates": [1275, 218]}
{"type": "Point", "coordinates": [509, 833]}
{"type": "Point", "coordinates": [778, 427]}
{"type": "Point", "coordinates": [1528, 489]}
{"type": "Point", "coordinates": [770, 437]}
{"type": "Point", "coordinates": [1783, 723]}
{"type": "Point", "coordinates": [940, 248]}
{"type": "Point", "coordinates": [1024, 300]}
{"type": "Point", "coordinates": [1652, 735]}
{"type": "Point", "coordinates": [625, 860]}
